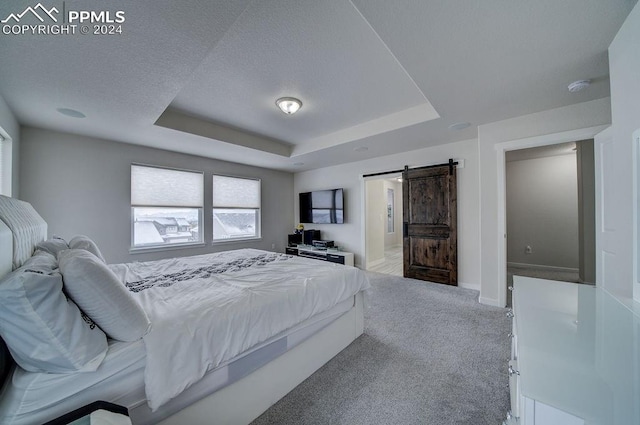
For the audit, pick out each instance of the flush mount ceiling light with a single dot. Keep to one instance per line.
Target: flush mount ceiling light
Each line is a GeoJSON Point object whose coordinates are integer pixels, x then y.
{"type": "Point", "coordinates": [289, 105]}
{"type": "Point", "coordinates": [576, 86]}
{"type": "Point", "coordinates": [71, 113]}
{"type": "Point", "coordinates": [459, 126]}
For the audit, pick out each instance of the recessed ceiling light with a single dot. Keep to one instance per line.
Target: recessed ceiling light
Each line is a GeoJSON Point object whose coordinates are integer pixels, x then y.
{"type": "Point", "coordinates": [298, 164]}
{"type": "Point", "coordinates": [459, 126]}
{"type": "Point", "coordinates": [289, 105]}
{"type": "Point", "coordinates": [576, 86]}
{"type": "Point", "coordinates": [71, 113]}
{"type": "Point", "coordinates": [361, 149]}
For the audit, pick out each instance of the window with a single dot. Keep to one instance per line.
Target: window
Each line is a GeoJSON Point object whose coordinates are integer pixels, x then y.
{"type": "Point", "coordinates": [236, 208]}
{"type": "Point", "coordinates": [166, 206]}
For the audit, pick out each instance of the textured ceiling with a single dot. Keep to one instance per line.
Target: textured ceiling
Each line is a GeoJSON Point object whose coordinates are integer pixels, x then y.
{"type": "Point", "coordinates": [202, 77]}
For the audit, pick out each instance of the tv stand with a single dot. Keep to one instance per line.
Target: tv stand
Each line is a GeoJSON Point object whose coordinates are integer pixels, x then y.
{"type": "Point", "coordinates": [332, 255]}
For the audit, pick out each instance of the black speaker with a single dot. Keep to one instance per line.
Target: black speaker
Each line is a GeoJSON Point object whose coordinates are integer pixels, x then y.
{"type": "Point", "coordinates": [294, 239]}
{"type": "Point", "coordinates": [309, 236]}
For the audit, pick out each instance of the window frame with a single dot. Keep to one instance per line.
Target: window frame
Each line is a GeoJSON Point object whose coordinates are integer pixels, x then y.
{"type": "Point", "coordinates": [258, 232]}
{"type": "Point", "coordinates": [133, 249]}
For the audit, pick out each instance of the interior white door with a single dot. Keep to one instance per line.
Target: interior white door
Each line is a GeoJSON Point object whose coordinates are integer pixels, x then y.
{"type": "Point", "coordinates": [606, 214]}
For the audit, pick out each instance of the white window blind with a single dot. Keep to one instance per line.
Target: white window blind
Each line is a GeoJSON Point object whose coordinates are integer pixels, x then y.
{"type": "Point", "coordinates": [234, 192]}
{"type": "Point", "coordinates": [153, 186]}
{"type": "Point", "coordinates": [166, 207]}
{"type": "Point", "coordinates": [236, 208]}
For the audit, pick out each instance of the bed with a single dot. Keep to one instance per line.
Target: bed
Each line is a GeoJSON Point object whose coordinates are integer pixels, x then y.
{"type": "Point", "coordinates": [225, 350]}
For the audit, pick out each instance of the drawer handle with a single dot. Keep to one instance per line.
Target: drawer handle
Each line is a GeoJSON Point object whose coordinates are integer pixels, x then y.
{"type": "Point", "coordinates": [510, 335]}
{"type": "Point", "coordinates": [510, 313]}
{"type": "Point", "coordinates": [510, 288]}
{"type": "Point", "coordinates": [512, 371]}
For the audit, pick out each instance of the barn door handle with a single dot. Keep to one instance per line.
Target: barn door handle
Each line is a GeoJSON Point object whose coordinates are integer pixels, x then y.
{"type": "Point", "coordinates": [405, 229]}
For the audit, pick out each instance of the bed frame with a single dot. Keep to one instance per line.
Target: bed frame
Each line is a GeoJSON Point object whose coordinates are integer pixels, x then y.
{"type": "Point", "coordinates": [246, 399]}
{"type": "Point", "coordinates": [249, 397]}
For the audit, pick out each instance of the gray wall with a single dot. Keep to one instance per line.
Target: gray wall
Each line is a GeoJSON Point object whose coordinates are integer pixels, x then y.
{"type": "Point", "coordinates": [542, 211]}
{"type": "Point", "coordinates": [9, 124]}
{"type": "Point", "coordinates": [81, 185]}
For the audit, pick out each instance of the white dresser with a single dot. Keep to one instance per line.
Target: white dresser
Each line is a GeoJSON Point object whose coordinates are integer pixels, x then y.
{"type": "Point", "coordinates": [575, 356]}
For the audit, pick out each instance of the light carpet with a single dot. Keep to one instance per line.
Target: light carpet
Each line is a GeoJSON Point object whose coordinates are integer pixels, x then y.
{"type": "Point", "coordinates": [430, 354]}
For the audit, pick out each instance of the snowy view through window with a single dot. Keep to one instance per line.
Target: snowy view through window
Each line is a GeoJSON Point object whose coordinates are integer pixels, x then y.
{"type": "Point", "coordinates": [235, 223]}
{"type": "Point", "coordinates": [162, 226]}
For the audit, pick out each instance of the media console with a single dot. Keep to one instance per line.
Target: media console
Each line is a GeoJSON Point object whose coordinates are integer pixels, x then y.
{"type": "Point", "coordinates": [331, 255]}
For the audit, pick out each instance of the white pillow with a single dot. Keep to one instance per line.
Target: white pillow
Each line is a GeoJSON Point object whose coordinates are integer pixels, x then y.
{"type": "Point", "coordinates": [53, 245]}
{"type": "Point", "coordinates": [45, 331]}
{"type": "Point", "coordinates": [99, 293]}
{"type": "Point", "coordinates": [84, 242]}
{"type": "Point", "coordinates": [42, 261]}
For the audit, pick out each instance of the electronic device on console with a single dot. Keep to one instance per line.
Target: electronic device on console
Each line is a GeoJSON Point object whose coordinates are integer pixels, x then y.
{"type": "Point", "coordinates": [323, 244]}
{"type": "Point", "coordinates": [310, 235]}
{"type": "Point", "coordinates": [294, 239]}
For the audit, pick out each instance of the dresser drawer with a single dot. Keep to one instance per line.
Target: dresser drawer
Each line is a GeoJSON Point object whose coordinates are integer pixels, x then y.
{"type": "Point", "coordinates": [335, 258]}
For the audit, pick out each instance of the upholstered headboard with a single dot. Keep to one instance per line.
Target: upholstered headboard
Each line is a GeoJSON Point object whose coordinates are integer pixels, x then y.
{"type": "Point", "coordinates": [6, 262]}
{"type": "Point", "coordinates": [6, 249]}
{"type": "Point", "coordinates": [21, 229]}
{"type": "Point", "coordinates": [26, 225]}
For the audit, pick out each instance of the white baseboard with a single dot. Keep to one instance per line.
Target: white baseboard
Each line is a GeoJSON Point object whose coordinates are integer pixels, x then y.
{"type": "Point", "coordinates": [374, 263]}
{"type": "Point", "coordinates": [543, 267]}
{"type": "Point", "coordinates": [489, 301]}
{"type": "Point", "coordinates": [474, 286]}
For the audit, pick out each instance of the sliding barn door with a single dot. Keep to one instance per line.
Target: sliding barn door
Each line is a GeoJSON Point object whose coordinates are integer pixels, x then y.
{"type": "Point", "coordinates": [430, 224]}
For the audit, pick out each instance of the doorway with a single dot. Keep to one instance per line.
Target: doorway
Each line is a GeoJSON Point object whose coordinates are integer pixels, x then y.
{"type": "Point", "coordinates": [383, 224]}
{"type": "Point", "coordinates": [550, 213]}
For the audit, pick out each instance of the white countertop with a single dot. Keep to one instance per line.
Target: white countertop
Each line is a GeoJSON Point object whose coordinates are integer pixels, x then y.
{"type": "Point", "coordinates": [579, 350]}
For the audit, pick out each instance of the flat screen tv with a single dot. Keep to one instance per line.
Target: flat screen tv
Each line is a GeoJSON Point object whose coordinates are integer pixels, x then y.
{"type": "Point", "coordinates": [322, 207]}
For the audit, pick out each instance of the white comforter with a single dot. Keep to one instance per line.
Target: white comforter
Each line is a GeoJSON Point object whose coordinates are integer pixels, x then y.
{"type": "Point", "coordinates": [207, 309]}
